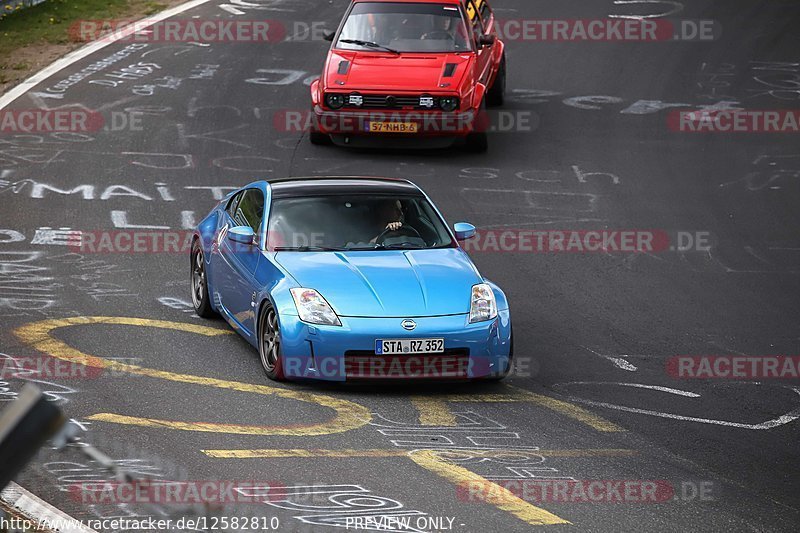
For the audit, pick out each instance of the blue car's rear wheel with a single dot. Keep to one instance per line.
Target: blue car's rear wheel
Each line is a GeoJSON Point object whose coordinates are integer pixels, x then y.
{"type": "Point", "coordinates": [199, 281]}
{"type": "Point", "coordinates": [269, 343]}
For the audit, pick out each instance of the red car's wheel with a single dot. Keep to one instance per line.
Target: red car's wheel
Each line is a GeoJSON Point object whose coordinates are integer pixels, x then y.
{"type": "Point", "coordinates": [497, 93]}
{"type": "Point", "coordinates": [478, 142]}
{"type": "Point", "coordinates": [319, 139]}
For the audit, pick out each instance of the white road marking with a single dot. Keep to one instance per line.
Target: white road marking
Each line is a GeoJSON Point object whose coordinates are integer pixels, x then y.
{"type": "Point", "coordinates": [620, 362]}
{"type": "Point", "coordinates": [91, 48]}
{"type": "Point", "coordinates": [230, 9]}
{"type": "Point", "coordinates": [676, 8]}
{"type": "Point", "coordinates": [670, 390]}
{"type": "Point", "coordinates": [769, 424]}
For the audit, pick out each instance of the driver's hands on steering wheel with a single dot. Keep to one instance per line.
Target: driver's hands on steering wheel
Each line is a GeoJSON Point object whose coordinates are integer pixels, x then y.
{"type": "Point", "coordinates": [391, 226]}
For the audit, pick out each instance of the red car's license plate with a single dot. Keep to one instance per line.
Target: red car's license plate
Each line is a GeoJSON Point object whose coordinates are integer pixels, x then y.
{"type": "Point", "coordinates": [393, 127]}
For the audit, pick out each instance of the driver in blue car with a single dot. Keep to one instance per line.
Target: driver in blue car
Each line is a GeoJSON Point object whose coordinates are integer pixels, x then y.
{"type": "Point", "coordinates": [391, 211]}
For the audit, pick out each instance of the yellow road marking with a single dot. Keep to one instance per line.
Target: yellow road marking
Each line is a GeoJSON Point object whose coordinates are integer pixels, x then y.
{"type": "Point", "coordinates": [567, 409]}
{"type": "Point", "coordinates": [272, 453]}
{"type": "Point", "coordinates": [433, 412]}
{"type": "Point", "coordinates": [434, 409]}
{"type": "Point", "coordinates": [209, 427]}
{"type": "Point", "coordinates": [297, 452]}
{"type": "Point", "coordinates": [349, 415]}
{"type": "Point", "coordinates": [501, 497]}
{"type": "Point", "coordinates": [431, 460]}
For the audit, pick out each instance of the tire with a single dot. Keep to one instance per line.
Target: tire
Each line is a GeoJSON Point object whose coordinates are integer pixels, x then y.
{"type": "Point", "coordinates": [319, 139]}
{"type": "Point", "coordinates": [478, 142]}
{"type": "Point", "coordinates": [496, 95]}
{"type": "Point", "coordinates": [269, 343]}
{"type": "Point", "coordinates": [199, 282]}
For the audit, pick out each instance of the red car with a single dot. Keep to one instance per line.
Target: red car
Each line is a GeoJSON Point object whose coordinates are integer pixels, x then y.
{"type": "Point", "coordinates": [410, 73]}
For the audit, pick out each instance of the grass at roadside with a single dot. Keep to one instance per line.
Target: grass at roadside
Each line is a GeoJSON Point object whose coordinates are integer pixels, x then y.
{"type": "Point", "coordinates": [33, 37]}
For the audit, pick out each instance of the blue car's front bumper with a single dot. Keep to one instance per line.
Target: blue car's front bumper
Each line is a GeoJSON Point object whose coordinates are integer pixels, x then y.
{"type": "Point", "coordinates": [348, 352]}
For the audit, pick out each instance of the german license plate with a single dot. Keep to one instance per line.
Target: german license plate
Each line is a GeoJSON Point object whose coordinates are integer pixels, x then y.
{"type": "Point", "coordinates": [408, 346]}
{"type": "Point", "coordinates": [393, 127]}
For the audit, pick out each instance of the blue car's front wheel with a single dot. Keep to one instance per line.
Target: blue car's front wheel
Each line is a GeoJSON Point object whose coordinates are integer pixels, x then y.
{"type": "Point", "coordinates": [269, 343]}
{"type": "Point", "coordinates": [199, 281]}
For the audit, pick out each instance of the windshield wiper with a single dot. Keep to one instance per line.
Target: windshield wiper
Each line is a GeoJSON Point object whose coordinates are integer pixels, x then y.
{"type": "Point", "coordinates": [369, 44]}
{"type": "Point", "coordinates": [307, 249]}
{"type": "Point", "coordinates": [400, 246]}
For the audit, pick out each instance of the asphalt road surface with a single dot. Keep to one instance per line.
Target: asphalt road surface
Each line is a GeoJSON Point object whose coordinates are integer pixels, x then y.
{"type": "Point", "coordinates": [587, 146]}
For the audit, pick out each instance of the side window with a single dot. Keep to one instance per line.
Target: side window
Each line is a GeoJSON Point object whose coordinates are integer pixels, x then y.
{"type": "Point", "coordinates": [250, 209]}
{"type": "Point", "coordinates": [486, 13]}
{"type": "Point", "coordinates": [231, 207]}
{"type": "Point", "coordinates": [474, 21]}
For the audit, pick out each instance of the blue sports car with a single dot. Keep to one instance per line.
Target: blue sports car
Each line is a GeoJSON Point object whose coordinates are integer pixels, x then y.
{"type": "Point", "coordinates": [349, 278]}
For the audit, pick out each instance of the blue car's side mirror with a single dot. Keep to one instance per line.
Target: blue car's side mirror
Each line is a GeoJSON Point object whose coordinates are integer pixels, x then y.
{"type": "Point", "coordinates": [464, 231]}
{"type": "Point", "coordinates": [242, 235]}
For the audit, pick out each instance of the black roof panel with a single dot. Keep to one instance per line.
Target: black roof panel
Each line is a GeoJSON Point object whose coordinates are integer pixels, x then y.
{"type": "Point", "coordinates": [325, 185]}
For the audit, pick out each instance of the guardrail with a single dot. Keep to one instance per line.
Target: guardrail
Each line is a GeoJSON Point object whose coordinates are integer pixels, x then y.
{"type": "Point", "coordinates": [10, 6]}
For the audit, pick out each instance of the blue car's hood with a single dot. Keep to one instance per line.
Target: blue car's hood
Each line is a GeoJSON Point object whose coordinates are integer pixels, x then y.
{"type": "Point", "coordinates": [410, 283]}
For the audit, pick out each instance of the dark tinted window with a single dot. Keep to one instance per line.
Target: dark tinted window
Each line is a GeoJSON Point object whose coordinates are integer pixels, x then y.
{"type": "Point", "coordinates": [231, 207]}
{"type": "Point", "coordinates": [474, 20]}
{"type": "Point", "coordinates": [250, 209]}
{"type": "Point", "coordinates": [356, 222]}
{"type": "Point", "coordinates": [406, 27]}
{"type": "Point", "coordinates": [486, 12]}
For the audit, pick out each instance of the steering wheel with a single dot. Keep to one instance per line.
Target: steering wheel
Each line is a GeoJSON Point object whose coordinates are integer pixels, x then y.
{"type": "Point", "coordinates": [409, 230]}
{"type": "Point", "coordinates": [438, 35]}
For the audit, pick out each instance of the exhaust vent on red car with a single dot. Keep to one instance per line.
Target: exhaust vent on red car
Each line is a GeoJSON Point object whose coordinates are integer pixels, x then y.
{"type": "Point", "coordinates": [344, 65]}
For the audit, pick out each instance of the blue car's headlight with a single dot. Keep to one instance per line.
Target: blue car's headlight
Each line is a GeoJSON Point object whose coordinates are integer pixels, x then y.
{"type": "Point", "coordinates": [313, 309]}
{"type": "Point", "coordinates": [482, 306]}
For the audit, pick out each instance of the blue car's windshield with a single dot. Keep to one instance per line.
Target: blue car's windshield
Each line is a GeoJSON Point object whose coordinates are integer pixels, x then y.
{"type": "Point", "coordinates": [405, 27]}
{"type": "Point", "coordinates": [357, 222]}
